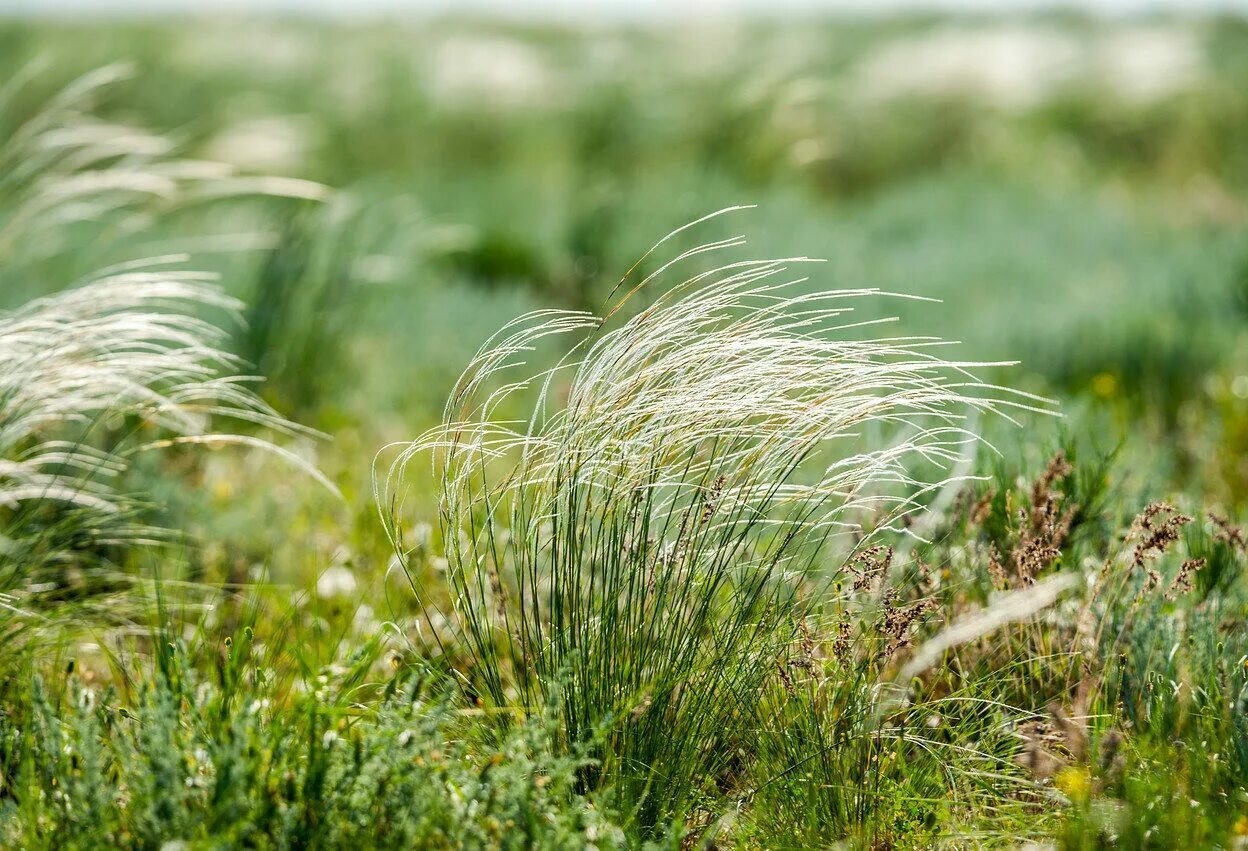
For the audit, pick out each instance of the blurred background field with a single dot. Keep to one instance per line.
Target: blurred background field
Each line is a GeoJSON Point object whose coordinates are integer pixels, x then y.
{"type": "Point", "coordinates": [1074, 191]}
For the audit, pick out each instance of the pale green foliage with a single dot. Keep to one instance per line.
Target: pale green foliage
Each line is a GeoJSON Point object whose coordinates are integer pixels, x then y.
{"type": "Point", "coordinates": [224, 762]}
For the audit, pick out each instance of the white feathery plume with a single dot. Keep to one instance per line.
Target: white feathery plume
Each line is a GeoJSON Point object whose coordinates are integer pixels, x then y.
{"type": "Point", "coordinates": [127, 346]}
{"type": "Point", "coordinates": [680, 469]}
{"type": "Point", "coordinates": [122, 363]}
{"type": "Point", "coordinates": [1013, 607]}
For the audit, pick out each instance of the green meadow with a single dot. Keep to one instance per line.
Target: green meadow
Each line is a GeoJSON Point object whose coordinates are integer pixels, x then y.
{"type": "Point", "coordinates": [709, 433]}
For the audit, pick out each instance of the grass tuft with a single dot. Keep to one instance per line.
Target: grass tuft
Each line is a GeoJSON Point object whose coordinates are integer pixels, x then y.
{"type": "Point", "coordinates": [637, 542]}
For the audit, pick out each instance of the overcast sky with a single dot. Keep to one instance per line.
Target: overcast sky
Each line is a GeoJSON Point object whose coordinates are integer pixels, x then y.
{"type": "Point", "coordinates": [587, 8]}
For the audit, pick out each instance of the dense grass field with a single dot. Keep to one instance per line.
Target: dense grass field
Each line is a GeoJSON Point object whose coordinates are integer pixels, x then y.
{"type": "Point", "coordinates": [458, 434]}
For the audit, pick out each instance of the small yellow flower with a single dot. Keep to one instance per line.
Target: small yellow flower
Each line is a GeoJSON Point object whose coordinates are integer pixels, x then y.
{"type": "Point", "coordinates": [1241, 826]}
{"type": "Point", "coordinates": [1074, 782]}
{"type": "Point", "coordinates": [1104, 385]}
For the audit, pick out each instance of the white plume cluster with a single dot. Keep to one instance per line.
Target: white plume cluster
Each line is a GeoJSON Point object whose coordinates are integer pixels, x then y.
{"type": "Point", "coordinates": [126, 362]}
{"type": "Point", "coordinates": [680, 469]}
{"type": "Point", "coordinates": [84, 361]}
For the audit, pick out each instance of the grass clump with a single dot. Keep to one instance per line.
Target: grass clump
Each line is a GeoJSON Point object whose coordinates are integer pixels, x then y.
{"type": "Point", "coordinates": [127, 362]}
{"type": "Point", "coordinates": [637, 546]}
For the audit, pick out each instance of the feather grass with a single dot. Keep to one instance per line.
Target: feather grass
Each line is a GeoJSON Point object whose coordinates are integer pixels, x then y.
{"type": "Point", "coordinates": [94, 376]}
{"type": "Point", "coordinates": [636, 544]}
{"type": "Point", "coordinates": [119, 364]}
{"type": "Point", "coordinates": [64, 166]}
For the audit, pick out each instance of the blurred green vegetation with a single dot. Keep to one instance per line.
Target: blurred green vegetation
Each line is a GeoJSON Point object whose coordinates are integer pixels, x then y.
{"type": "Point", "coordinates": [1074, 192]}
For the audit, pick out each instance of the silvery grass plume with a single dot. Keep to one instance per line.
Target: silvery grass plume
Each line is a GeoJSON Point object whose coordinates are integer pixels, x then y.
{"type": "Point", "coordinates": [632, 547]}
{"type": "Point", "coordinates": [116, 366]}
{"type": "Point", "coordinates": [91, 378]}
{"type": "Point", "coordinates": [63, 167]}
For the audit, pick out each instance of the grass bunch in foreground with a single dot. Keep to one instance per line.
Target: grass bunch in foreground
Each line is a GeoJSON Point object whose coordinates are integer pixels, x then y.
{"type": "Point", "coordinates": [637, 542]}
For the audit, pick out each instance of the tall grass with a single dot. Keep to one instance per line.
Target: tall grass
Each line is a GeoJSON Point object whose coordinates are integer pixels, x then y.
{"type": "Point", "coordinates": [90, 379]}
{"type": "Point", "coordinates": [638, 541]}
{"type": "Point", "coordinates": [670, 549]}
{"type": "Point", "coordinates": [126, 362]}
{"type": "Point", "coordinates": [305, 303]}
